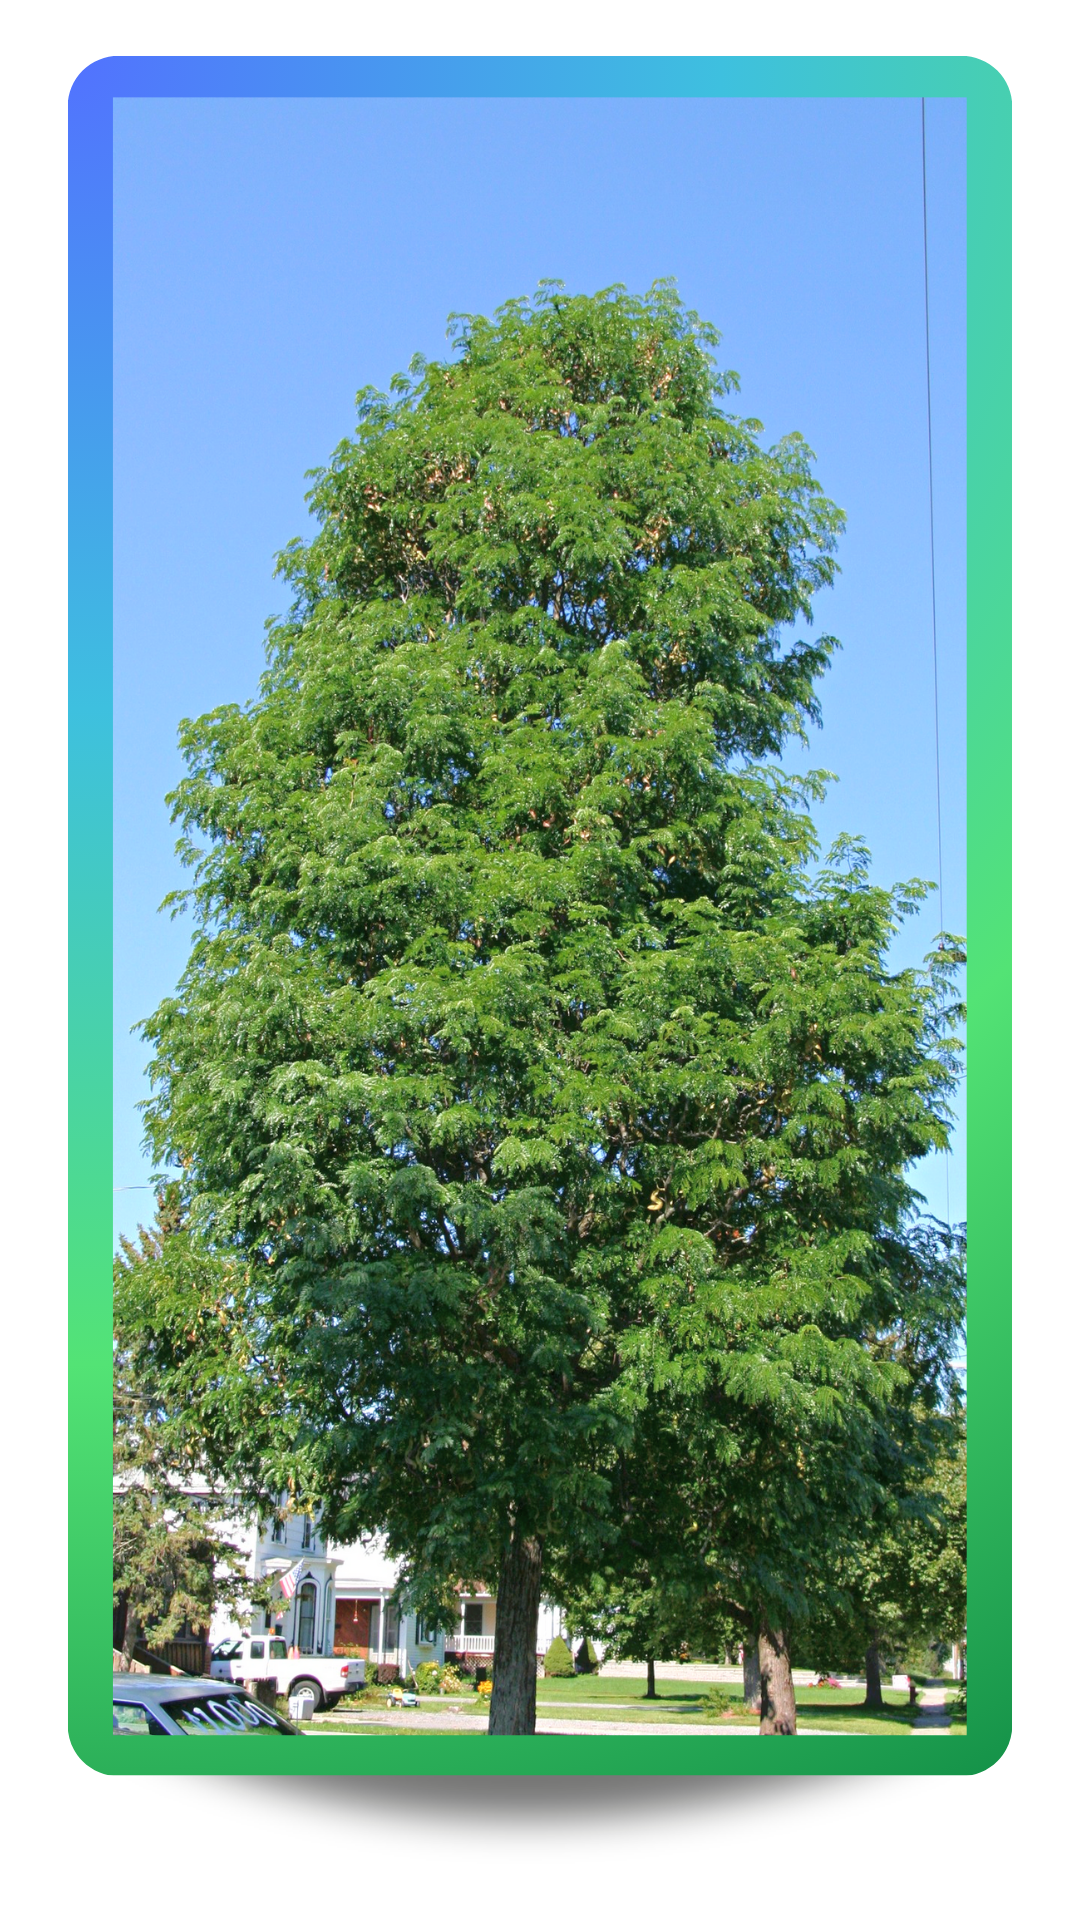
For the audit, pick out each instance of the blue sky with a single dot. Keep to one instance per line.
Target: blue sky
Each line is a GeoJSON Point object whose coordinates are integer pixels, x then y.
{"type": "Point", "coordinates": [274, 256]}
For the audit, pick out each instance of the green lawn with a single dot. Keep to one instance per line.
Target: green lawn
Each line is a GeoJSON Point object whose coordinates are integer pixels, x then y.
{"type": "Point", "coordinates": [594, 1687]}
{"type": "Point", "coordinates": [678, 1703]}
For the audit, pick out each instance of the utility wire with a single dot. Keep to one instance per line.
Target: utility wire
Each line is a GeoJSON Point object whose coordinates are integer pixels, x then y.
{"type": "Point", "coordinates": [933, 575]}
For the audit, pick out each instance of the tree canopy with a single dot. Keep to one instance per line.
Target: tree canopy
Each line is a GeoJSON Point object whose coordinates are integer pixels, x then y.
{"type": "Point", "coordinates": [525, 1059]}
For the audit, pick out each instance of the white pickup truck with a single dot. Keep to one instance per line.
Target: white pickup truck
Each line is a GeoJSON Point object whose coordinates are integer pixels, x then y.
{"type": "Point", "coordinates": [264, 1656]}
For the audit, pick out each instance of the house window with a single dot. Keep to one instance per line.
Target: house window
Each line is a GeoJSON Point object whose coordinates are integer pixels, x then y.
{"type": "Point", "coordinates": [474, 1617]}
{"type": "Point", "coordinates": [306, 1541]}
{"type": "Point", "coordinates": [277, 1531]}
{"type": "Point", "coordinates": [423, 1633]}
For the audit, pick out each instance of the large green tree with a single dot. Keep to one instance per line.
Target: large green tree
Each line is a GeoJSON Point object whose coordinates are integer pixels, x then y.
{"type": "Point", "coordinates": [517, 1034]}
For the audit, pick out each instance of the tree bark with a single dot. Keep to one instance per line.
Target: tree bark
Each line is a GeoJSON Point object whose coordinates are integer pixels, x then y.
{"type": "Point", "coordinates": [777, 1688]}
{"type": "Point", "coordinates": [517, 1609]}
{"type": "Point", "coordinates": [873, 1677]}
{"type": "Point", "coordinates": [131, 1635]}
{"type": "Point", "coordinates": [751, 1677]}
{"type": "Point", "coordinates": [650, 1680]}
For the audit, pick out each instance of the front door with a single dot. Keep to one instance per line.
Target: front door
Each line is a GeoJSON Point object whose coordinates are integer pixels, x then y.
{"type": "Point", "coordinates": [352, 1628]}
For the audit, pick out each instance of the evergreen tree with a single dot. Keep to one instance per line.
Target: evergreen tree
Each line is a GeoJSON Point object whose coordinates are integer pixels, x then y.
{"type": "Point", "coordinates": [173, 1558]}
{"type": "Point", "coordinates": [518, 1050]}
{"type": "Point", "coordinates": [559, 1661]}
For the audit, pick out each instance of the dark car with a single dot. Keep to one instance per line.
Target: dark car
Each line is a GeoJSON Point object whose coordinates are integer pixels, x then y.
{"type": "Point", "coordinates": [160, 1703]}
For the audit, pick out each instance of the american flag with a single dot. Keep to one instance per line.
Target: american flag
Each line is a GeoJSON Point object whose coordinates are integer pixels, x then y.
{"type": "Point", "coordinates": [289, 1580]}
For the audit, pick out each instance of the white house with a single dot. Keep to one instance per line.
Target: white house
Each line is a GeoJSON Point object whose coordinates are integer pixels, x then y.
{"type": "Point", "coordinates": [367, 1618]}
{"type": "Point", "coordinates": [289, 1542]}
{"type": "Point", "coordinates": [475, 1632]}
{"type": "Point", "coordinates": [343, 1601]}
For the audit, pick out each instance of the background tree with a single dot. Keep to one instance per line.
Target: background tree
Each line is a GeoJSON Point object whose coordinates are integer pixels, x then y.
{"type": "Point", "coordinates": [646, 1617]}
{"type": "Point", "coordinates": [904, 1593]}
{"type": "Point", "coordinates": [173, 1558]}
{"type": "Point", "coordinates": [905, 1582]}
{"type": "Point", "coordinates": [794, 1430]}
{"type": "Point", "coordinates": [513, 1024]}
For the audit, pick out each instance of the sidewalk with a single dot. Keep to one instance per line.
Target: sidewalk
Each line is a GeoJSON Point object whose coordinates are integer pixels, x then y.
{"type": "Point", "coordinates": [932, 1716]}
{"type": "Point", "coordinates": [478, 1723]}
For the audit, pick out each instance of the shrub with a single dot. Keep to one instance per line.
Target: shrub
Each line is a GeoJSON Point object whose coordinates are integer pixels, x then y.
{"type": "Point", "coordinates": [922, 1662]}
{"type": "Point", "coordinates": [483, 1688]}
{"type": "Point", "coordinates": [426, 1677]}
{"type": "Point", "coordinates": [585, 1660]}
{"type": "Point", "coordinates": [385, 1673]}
{"type": "Point", "coordinates": [450, 1681]}
{"type": "Point", "coordinates": [558, 1662]}
{"type": "Point", "coordinates": [476, 1666]}
{"type": "Point", "coordinates": [366, 1697]}
{"type": "Point", "coordinates": [717, 1704]}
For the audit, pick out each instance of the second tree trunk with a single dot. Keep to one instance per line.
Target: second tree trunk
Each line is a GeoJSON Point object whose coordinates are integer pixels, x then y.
{"type": "Point", "coordinates": [777, 1687]}
{"type": "Point", "coordinates": [873, 1676]}
{"type": "Point", "coordinates": [751, 1678]}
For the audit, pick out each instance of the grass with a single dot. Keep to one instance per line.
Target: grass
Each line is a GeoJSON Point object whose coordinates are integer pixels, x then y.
{"type": "Point", "coordinates": [591, 1686]}
{"type": "Point", "coordinates": [677, 1703]}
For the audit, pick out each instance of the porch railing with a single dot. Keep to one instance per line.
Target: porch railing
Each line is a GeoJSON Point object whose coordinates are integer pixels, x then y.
{"type": "Point", "coordinates": [484, 1643]}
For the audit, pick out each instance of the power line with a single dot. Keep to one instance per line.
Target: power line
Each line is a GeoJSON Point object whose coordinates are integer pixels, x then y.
{"type": "Point", "coordinates": [933, 573]}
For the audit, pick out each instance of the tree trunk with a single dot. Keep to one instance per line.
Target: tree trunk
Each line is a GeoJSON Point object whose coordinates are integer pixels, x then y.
{"type": "Point", "coordinates": [777, 1688]}
{"type": "Point", "coordinates": [751, 1677]}
{"type": "Point", "coordinates": [131, 1634]}
{"type": "Point", "coordinates": [517, 1609]}
{"type": "Point", "coordinates": [873, 1677]}
{"type": "Point", "coordinates": [650, 1679]}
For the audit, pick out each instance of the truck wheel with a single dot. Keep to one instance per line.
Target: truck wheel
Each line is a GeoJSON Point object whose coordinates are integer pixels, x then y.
{"type": "Point", "coordinates": [332, 1700]}
{"type": "Point", "coordinates": [307, 1689]}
